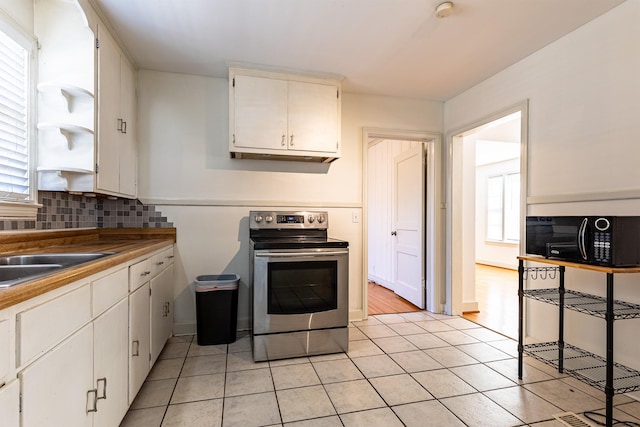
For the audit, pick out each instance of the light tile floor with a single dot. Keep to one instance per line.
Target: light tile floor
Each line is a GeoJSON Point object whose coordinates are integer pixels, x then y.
{"type": "Point", "coordinates": [414, 369]}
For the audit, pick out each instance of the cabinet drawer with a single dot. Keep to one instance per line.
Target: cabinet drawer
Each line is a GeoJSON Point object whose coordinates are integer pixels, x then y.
{"type": "Point", "coordinates": [5, 349]}
{"type": "Point", "coordinates": [44, 326]}
{"type": "Point", "coordinates": [160, 261]}
{"type": "Point", "coordinates": [139, 274]}
{"type": "Point", "coordinates": [109, 290]}
{"type": "Point", "coordinates": [167, 255]}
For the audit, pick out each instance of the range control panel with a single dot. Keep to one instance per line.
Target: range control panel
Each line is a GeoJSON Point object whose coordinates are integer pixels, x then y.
{"type": "Point", "coordinates": [259, 220]}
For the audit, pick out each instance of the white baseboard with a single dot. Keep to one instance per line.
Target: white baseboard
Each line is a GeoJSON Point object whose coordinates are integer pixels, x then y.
{"type": "Point", "coordinates": [469, 306]}
{"type": "Point", "coordinates": [356, 315]}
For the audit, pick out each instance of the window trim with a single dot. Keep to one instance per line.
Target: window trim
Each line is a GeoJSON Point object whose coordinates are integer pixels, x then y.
{"type": "Point", "coordinates": [25, 210]}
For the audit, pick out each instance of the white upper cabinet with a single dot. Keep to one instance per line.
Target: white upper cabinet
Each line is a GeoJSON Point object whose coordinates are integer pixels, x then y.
{"type": "Point", "coordinates": [260, 113]}
{"type": "Point", "coordinates": [283, 116]}
{"type": "Point", "coordinates": [116, 120]}
{"type": "Point", "coordinates": [86, 132]}
{"type": "Point", "coordinates": [313, 117]}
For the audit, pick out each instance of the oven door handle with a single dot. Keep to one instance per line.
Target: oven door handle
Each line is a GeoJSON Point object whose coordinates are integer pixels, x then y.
{"type": "Point", "coordinates": [299, 254]}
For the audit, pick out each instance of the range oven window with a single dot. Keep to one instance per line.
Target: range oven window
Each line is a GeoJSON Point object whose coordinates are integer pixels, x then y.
{"type": "Point", "coordinates": [302, 287]}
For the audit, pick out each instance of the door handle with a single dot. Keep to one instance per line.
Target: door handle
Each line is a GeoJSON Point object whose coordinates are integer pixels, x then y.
{"type": "Point", "coordinates": [394, 233]}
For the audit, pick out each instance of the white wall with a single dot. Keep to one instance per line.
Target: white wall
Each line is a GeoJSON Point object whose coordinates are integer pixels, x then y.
{"type": "Point", "coordinates": [186, 171]}
{"type": "Point", "coordinates": [583, 96]}
{"type": "Point", "coordinates": [21, 11]}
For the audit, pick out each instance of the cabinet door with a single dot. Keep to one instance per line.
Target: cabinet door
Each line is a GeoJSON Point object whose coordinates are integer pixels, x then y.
{"type": "Point", "coordinates": [260, 113]}
{"type": "Point", "coordinates": [138, 339]}
{"type": "Point", "coordinates": [6, 341]}
{"type": "Point", "coordinates": [128, 137]}
{"type": "Point", "coordinates": [313, 117]}
{"type": "Point", "coordinates": [10, 404]}
{"type": "Point", "coordinates": [57, 389]}
{"type": "Point", "coordinates": [111, 365]}
{"type": "Point", "coordinates": [108, 113]}
{"type": "Point", "coordinates": [161, 311]}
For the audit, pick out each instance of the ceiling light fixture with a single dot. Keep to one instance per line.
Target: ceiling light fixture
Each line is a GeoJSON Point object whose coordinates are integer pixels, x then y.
{"type": "Point", "coordinates": [444, 9]}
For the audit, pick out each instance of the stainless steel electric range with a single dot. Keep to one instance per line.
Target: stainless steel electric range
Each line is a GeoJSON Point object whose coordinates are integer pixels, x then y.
{"type": "Point", "coordinates": [300, 285]}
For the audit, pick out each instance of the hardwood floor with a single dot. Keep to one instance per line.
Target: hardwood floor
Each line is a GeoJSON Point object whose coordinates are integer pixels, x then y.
{"type": "Point", "coordinates": [497, 296]}
{"type": "Point", "coordinates": [384, 301]}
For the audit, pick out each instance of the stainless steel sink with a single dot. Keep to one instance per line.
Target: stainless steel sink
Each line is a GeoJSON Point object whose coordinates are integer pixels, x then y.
{"type": "Point", "coordinates": [13, 274]}
{"type": "Point", "coordinates": [15, 269]}
{"type": "Point", "coordinates": [62, 259]}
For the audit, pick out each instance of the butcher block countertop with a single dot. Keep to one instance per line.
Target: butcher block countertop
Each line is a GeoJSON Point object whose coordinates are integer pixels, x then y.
{"type": "Point", "coordinates": [127, 243]}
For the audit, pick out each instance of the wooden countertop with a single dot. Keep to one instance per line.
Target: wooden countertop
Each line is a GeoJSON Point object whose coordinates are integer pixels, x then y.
{"type": "Point", "coordinates": [127, 243]}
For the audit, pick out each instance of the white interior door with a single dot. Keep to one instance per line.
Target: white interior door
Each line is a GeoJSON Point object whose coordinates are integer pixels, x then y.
{"type": "Point", "coordinates": [408, 219]}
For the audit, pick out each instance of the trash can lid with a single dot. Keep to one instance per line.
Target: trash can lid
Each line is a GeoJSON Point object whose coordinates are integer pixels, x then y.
{"type": "Point", "coordinates": [217, 282]}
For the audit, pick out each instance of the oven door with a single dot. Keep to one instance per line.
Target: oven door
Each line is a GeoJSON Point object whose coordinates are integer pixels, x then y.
{"type": "Point", "coordinates": [300, 289]}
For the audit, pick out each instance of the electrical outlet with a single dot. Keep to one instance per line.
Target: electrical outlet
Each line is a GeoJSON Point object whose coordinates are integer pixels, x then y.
{"type": "Point", "coordinates": [355, 216]}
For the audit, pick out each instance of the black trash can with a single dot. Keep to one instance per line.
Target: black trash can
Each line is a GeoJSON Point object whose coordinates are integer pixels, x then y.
{"type": "Point", "coordinates": [216, 308]}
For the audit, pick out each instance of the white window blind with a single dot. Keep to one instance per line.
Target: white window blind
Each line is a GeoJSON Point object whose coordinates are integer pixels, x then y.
{"type": "Point", "coordinates": [14, 121]}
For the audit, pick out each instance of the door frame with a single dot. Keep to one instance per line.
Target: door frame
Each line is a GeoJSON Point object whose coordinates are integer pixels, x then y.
{"type": "Point", "coordinates": [434, 242]}
{"type": "Point", "coordinates": [453, 254]}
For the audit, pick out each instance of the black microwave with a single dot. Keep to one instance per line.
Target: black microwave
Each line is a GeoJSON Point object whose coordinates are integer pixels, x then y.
{"type": "Point", "coordinates": [612, 241]}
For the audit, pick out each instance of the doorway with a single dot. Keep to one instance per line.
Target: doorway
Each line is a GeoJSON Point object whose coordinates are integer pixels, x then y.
{"type": "Point", "coordinates": [488, 191]}
{"type": "Point", "coordinates": [399, 219]}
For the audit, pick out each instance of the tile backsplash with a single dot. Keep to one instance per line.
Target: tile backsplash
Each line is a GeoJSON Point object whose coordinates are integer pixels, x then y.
{"type": "Point", "coordinates": [62, 210]}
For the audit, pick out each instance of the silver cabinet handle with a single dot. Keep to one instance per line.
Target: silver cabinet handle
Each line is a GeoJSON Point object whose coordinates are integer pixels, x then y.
{"type": "Point", "coordinates": [120, 122]}
{"type": "Point", "coordinates": [104, 388]}
{"type": "Point", "coordinates": [160, 263]}
{"type": "Point", "coordinates": [124, 127]}
{"type": "Point", "coordinates": [93, 401]}
{"type": "Point", "coordinates": [136, 345]}
{"type": "Point", "coordinates": [283, 142]}
{"type": "Point", "coordinates": [394, 233]}
{"type": "Point", "coordinates": [291, 141]}
{"type": "Point", "coordinates": [145, 273]}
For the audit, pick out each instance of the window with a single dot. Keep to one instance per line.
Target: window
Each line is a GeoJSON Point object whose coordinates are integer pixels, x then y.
{"type": "Point", "coordinates": [17, 187]}
{"type": "Point", "coordinates": [503, 208]}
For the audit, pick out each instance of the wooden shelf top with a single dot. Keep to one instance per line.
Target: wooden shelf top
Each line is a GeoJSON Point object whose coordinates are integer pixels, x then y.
{"type": "Point", "coordinates": [598, 268]}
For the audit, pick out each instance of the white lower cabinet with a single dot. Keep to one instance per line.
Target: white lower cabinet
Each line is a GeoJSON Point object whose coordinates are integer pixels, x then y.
{"type": "Point", "coordinates": [81, 382]}
{"type": "Point", "coordinates": [10, 404]}
{"type": "Point", "coordinates": [161, 311]}
{"type": "Point", "coordinates": [58, 389]}
{"type": "Point", "coordinates": [82, 356]}
{"type": "Point", "coordinates": [139, 339]}
{"type": "Point", "coordinates": [111, 365]}
{"type": "Point", "coordinates": [5, 350]}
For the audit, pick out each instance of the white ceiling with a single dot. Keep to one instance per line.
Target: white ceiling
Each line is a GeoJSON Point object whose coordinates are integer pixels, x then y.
{"type": "Point", "coordinates": [386, 47]}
